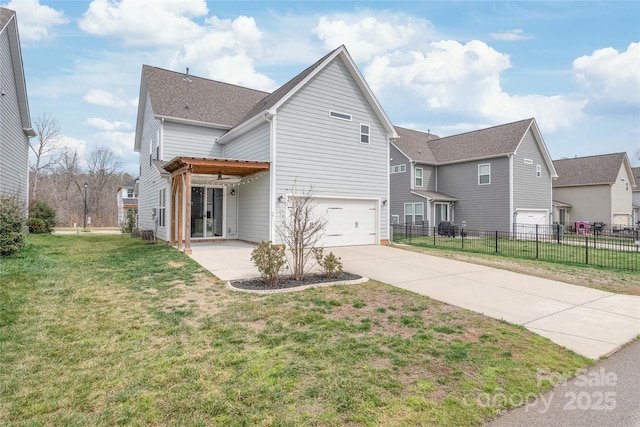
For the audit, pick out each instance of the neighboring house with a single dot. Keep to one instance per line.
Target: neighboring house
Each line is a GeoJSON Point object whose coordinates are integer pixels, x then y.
{"type": "Point", "coordinates": [596, 188]}
{"type": "Point", "coordinates": [219, 161]}
{"type": "Point", "coordinates": [15, 122]}
{"type": "Point", "coordinates": [127, 200]}
{"type": "Point", "coordinates": [489, 179]}
{"type": "Point", "coordinates": [636, 197]}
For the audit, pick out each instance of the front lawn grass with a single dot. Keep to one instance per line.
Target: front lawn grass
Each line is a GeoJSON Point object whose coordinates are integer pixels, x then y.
{"type": "Point", "coordinates": [109, 330]}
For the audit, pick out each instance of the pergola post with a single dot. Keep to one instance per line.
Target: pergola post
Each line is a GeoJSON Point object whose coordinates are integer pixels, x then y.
{"type": "Point", "coordinates": [187, 232]}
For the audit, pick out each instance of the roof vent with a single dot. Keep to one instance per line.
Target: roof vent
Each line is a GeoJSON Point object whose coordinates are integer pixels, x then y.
{"type": "Point", "coordinates": [186, 76]}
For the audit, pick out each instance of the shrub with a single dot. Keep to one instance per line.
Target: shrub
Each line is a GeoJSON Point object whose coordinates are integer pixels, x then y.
{"type": "Point", "coordinates": [41, 210]}
{"type": "Point", "coordinates": [129, 223]}
{"type": "Point", "coordinates": [331, 265]}
{"type": "Point", "coordinates": [269, 259]}
{"type": "Point", "coordinates": [37, 226]}
{"type": "Point", "coordinates": [12, 226]}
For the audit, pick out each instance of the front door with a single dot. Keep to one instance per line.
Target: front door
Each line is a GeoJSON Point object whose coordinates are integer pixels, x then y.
{"type": "Point", "coordinates": [442, 212]}
{"type": "Point", "coordinates": [207, 212]}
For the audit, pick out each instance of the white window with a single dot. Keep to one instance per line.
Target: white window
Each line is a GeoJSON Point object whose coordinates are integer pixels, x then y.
{"type": "Point", "coordinates": [403, 168]}
{"type": "Point", "coordinates": [129, 193]}
{"type": "Point", "coordinates": [484, 174]}
{"type": "Point", "coordinates": [396, 169]}
{"type": "Point", "coordinates": [408, 213]}
{"type": "Point", "coordinates": [414, 213]}
{"type": "Point", "coordinates": [391, 169]}
{"type": "Point", "coordinates": [162, 207]}
{"type": "Point", "coordinates": [364, 133]}
{"type": "Point", "coordinates": [442, 213]}
{"type": "Point", "coordinates": [418, 179]}
{"type": "Point", "coordinates": [538, 171]}
{"type": "Point", "coordinates": [338, 115]}
{"type": "Point", "coordinates": [418, 213]}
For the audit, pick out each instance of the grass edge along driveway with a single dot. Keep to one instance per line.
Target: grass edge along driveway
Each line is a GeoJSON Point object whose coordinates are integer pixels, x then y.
{"type": "Point", "coordinates": [109, 330]}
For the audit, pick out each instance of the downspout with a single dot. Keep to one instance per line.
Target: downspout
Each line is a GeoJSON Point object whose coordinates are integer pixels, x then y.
{"type": "Point", "coordinates": [512, 212]}
{"type": "Point", "coordinates": [270, 117]}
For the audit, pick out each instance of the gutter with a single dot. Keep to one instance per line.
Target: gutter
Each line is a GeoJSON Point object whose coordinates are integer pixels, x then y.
{"type": "Point", "coordinates": [246, 126]}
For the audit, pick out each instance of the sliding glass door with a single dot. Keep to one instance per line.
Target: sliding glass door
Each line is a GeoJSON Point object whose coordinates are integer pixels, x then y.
{"type": "Point", "coordinates": [207, 210]}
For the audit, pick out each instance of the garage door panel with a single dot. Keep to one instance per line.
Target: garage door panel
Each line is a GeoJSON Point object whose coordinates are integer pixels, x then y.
{"type": "Point", "coordinates": [349, 222]}
{"type": "Point", "coordinates": [526, 220]}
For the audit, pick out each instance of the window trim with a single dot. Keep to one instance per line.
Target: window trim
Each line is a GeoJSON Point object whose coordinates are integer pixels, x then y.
{"type": "Point", "coordinates": [340, 116]}
{"type": "Point", "coordinates": [484, 174]}
{"type": "Point", "coordinates": [416, 177]}
{"type": "Point", "coordinates": [162, 207]}
{"type": "Point", "coordinates": [367, 134]}
{"type": "Point", "coordinates": [538, 171]}
{"type": "Point", "coordinates": [408, 214]}
{"type": "Point", "coordinates": [413, 212]}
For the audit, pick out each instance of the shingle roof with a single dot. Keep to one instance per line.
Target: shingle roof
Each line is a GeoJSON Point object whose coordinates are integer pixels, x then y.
{"type": "Point", "coordinates": [413, 143]}
{"type": "Point", "coordinates": [438, 197]}
{"type": "Point", "coordinates": [590, 170]}
{"type": "Point", "coordinates": [5, 16]}
{"type": "Point", "coordinates": [194, 98]}
{"type": "Point", "coordinates": [636, 176]}
{"type": "Point", "coordinates": [491, 142]}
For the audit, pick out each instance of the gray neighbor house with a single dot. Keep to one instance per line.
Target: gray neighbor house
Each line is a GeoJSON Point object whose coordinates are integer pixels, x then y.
{"type": "Point", "coordinates": [491, 179]}
{"type": "Point", "coordinates": [15, 122]}
{"type": "Point", "coordinates": [636, 197]}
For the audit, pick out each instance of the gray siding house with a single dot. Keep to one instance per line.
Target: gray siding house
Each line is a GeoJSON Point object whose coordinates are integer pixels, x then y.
{"type": "Point", "coordinates": [490, 179]}
{"type": "Point", "coordinates": [219, 161]}
{"type": "Point", "coordinates": [596, 189]}
{"type": "Point", "coordinates": [15, 122]}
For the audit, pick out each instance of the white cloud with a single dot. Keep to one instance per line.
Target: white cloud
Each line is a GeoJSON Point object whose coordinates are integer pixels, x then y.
{"type": "Point", "coordinates": [610, 75]}
{"type": "Point", "coordinates": [145, 22]}
{"type": "Point", "coordinates": [367, 36]}
{"type": "Point", "coordinates": [35, 20]}
{"type": "Point", "coordinates": [105, 125]}
{"type": "Point", "coordinates": [104, 98]}
{"type": "Point", "coordinates": [511, 35]}
{"type": "Point", "coordinates": [465, 79]}
{"type": "Point", "coordinates": [224, 52]}
{"type": "Point", "coordinates": [120, 143]}
{"type": "Point", "coordinates": [79, 145]}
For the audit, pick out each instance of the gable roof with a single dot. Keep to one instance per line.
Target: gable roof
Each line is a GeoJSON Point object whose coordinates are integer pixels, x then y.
{"type": "Point", "coordinates": [269, 106]}
{"type": "Point", "coordinates": [496, 141]}
{"type": "Point", "coordinates": [228, 106]}
{"type": "Point", "coordinates": [591, 170]}
{"type": "Point", "coordinates": [9, 25]}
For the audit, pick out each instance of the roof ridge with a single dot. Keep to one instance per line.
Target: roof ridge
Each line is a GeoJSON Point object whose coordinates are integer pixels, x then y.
{"type": "Point", "coordinates": [205, 78]}
{"type": "Point", "coordinates": [487, 128]}
{"type": "Point", "coordinates": [593, 155]}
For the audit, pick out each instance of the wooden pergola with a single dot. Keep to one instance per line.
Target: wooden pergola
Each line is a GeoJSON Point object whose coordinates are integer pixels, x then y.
{"type": "Point", "coordinates": [182, 169]}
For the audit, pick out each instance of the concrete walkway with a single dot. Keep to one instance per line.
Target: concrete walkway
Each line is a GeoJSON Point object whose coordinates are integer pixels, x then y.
{"type": "Point", "coordinates": [590, 322]}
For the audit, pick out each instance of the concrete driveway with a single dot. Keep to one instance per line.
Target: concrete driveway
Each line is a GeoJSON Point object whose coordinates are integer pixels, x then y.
{"type": "Point", "coordinates": [590, 322]}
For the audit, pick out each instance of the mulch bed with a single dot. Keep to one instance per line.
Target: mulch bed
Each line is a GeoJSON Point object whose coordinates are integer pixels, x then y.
{"type": "Point", "coordinates": [288, 282]}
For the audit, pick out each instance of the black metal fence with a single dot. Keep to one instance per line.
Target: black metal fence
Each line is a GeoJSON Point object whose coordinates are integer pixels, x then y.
{"type": "Point", "coordinates": [605, 248]}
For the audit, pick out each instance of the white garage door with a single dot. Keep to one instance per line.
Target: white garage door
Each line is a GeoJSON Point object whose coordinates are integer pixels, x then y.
{"type": "Point", "coordinates": [526, 221]}
{"type": "Point", "coordinates": [349, 222]}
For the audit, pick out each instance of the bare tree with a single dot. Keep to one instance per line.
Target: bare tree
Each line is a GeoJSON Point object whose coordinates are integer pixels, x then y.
{"type": "Point", "coordinates": [45, 149]}
{"type": "Point", "coordinates": [102, 165]}
{"type": "Point", "coordinates": [637, 156]}
{"type": "Point", "coordinates": [301, 230]}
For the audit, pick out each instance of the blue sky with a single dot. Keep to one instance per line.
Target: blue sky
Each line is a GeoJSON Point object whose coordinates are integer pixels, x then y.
{"type": "Point", "coordinates": [447, 67]}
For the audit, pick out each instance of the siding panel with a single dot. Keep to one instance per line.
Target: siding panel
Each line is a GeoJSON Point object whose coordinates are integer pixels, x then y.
{"type": "Point", "coordinates": [529, 191]}
{"type": "Point", "coordinates": [189, 141]}
{"type": "Point", "coordinates": [314, 149]}
{"type": "Point", "coordinates": [483, 207]}
{"type": "Point", "coordinates": [254, 145]}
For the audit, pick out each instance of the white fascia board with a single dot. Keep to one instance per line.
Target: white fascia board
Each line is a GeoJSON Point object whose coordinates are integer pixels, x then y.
{"type": "Point", "coordinates": [402, 152]}
{"type": "Point", "coordinates": [192, 122]}
{"type": "Point", "coordinates": [423, 196]}
{"type": "Point", "coordinates": [142, 105]}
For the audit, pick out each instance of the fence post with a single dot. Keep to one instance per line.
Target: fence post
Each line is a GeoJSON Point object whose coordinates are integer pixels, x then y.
{"type": "Point", "coordinates": [462, 236]}
{"type": "Point", "coordinates": [434, 236]}
{"type": "Point", "coordinates": [496, 241]}
{"type": "Point", "coordinates": [558, 232]}
{"type": "Point", "coordinates": [586, 249]}
{"type": "Point", "coordinates": [537, 242]}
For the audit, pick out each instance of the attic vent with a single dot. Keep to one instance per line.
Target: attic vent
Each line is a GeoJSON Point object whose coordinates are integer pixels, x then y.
{"type": "Point", "coordinates": [186, 76]}
{"type": "Point", "coordinates": [528, 161]}
{"type": "Point", "coordinates": [337, 115]}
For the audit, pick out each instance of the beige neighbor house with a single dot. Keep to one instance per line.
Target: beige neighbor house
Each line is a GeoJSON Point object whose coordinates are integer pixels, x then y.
{"type": "Point", "coordinates": [594, 189]}
{"type": "Point", "coordinates": [15, 122]}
